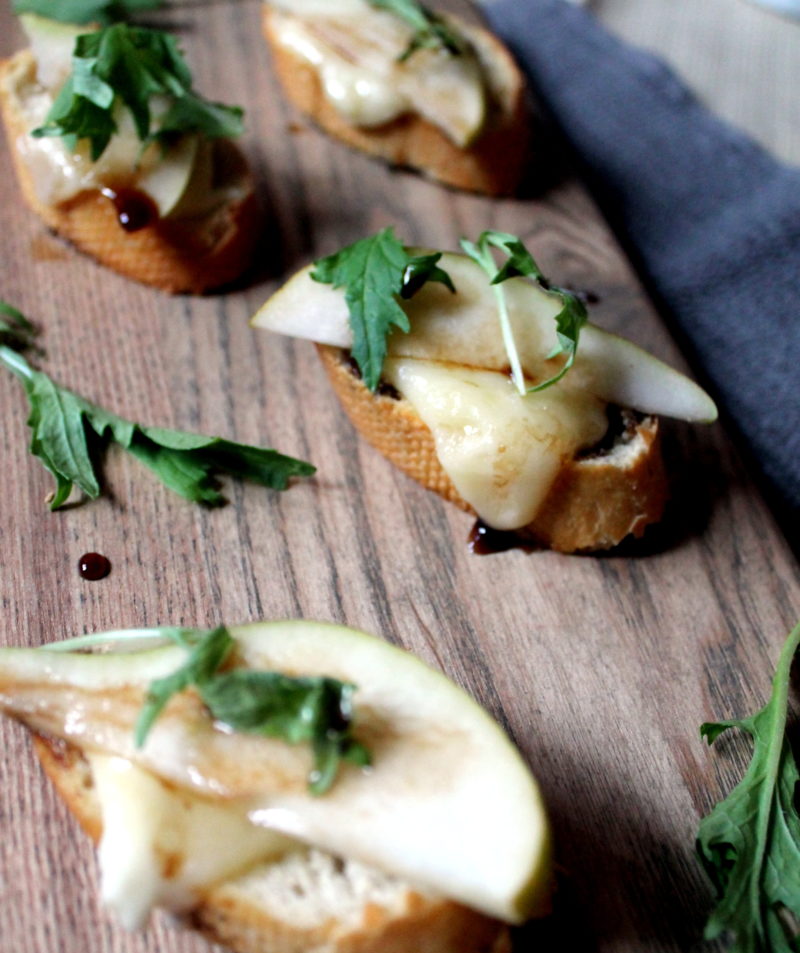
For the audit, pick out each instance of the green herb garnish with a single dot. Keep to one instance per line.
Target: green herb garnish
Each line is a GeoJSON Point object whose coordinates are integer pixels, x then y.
{"type": "Point", "coordinates": [430, 30]}
{"type": "Point", "coordinates": [61, 423]}
{"type": "Point", "coordinates": [123, 65]}
{"type": "Point", "coordinates": [15, 329]}
{"type": "Point", "coordinates": [375, 272]}
{"type": "Point", "coordinates": [749, 844]}
{"type": "Point", "coordinates": [85, 11]}
{"type": "Point", "coordinates": [569, 320]}
{"type": "Point", "coordinates": [309, 709]}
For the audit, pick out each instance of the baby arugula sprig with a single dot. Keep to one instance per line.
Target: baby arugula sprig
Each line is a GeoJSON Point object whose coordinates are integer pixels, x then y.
{"type": "Point", "coordinates": [749, 844]}
{"type": "Point", "coordinates": [129, 65]}
{"type": "Point", "coordinates": [377, 272]}
{"type": "Point", "coordinates": [430, 31]}
{"type": "Point", "coordinates": [569, 320]}
{"type": "Point", "coordinates": [313, 709]}
{"type": "Point", "coordinates": [65, 428]}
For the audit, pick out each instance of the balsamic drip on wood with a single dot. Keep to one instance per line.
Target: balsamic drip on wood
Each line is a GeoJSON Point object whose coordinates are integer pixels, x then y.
{"type": "Point", "coordinates": [94, 566]}
{"type": "Point", "coordinates": [483, 540]}
{"type": "Point", "coordinates": [135, 210]}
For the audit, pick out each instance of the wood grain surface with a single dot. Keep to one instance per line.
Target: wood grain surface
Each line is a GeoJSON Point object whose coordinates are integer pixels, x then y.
{"type": "Point", "coordinates": [601, 669]}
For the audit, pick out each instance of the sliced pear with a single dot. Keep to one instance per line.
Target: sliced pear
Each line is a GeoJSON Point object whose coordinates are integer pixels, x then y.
{"type": "Point", "coordinates": [448, 804]}
{"type": "Point", "coordinates": [463, 328]}
{"type": "Point", "coordinates": [449, 91]}
{"type": "Point", "coordinates": [167, 179]}
{"type": "Point", "coordinates": [52, 43]}
{"type": "Point", "coordinates": [308, 309]}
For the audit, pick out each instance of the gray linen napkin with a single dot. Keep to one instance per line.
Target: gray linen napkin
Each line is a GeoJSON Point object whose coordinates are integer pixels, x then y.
{"type": "Point", "coordinates": [711, 220]}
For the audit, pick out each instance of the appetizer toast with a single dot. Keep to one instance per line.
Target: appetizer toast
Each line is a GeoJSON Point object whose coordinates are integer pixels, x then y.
{"type": "Point", "coordinates": [234, 795]}
{"type": "Point", "coordinates": [469, 128]}
{"type": "Point", "coordinates": [563, 451]}
{"type": "Point", "coordinates": [181, 217]}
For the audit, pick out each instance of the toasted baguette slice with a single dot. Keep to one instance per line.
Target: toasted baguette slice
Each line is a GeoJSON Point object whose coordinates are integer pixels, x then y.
{"type": "Point", "coordinates": [494, 165]}
{"type": "Point", "coordinates": [597, 499]}
{"type": "Point", "coordinates": [174, 254]}
{"type": "Point", "coordinates": [307, 902]}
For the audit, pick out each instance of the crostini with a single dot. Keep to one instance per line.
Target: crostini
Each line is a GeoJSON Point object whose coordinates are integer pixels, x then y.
{"type": "Point", "coordinates": [469, 378]}
{"type": "Point", "coordinates": [406, 85]}
{"type": "Point", "coordinates": [197, 767]}
{"type": "Point", "coordinates": [115, 152]}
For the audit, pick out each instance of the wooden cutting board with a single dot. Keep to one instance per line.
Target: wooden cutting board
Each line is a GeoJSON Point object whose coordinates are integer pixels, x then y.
{"type": "Point", "coordinates": [602, 668]}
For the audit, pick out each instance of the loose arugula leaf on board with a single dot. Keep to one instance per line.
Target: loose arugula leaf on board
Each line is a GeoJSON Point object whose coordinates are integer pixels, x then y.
{"type": "Point", "coordinates": [374, 272]}
{"type": "Point", "coordinates": [62, 423]}
{"type": "Point", "coordinates": [85, 11]}
{"type": "Point", "coordinates": [128, 65]}
{"type": "Point", "coordinates": [16, 331]}
{"type": "Point", "coordinates": [569, 320]}
{"type": "Point", "coordinates": [296, 710]}
{"type": "Point", "coordinates": [430, 31]}
{"type": "Point", "coordinates": [749, 844]}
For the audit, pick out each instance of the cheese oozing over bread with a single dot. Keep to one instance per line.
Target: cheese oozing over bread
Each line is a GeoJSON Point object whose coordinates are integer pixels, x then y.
{"type": "Point", "coordinates": [357, 52]}
{"type": "Point", "coordinates": [502, 453]}
{"type": "Point", "coordinates": [162, 846]}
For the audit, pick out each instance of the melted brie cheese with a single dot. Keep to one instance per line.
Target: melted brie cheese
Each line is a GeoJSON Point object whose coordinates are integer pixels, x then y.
{"type": "Point", "coordinates": [161, 846]}
{"type": "Point", "coordinates": [356, 51]}
{"type": "Point", "coordinates": [502, 451]}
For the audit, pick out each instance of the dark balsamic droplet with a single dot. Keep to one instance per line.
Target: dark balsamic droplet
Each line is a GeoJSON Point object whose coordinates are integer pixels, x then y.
{"type": "Point", "coordinates": [483, 540]}
{"type": "Point", "coordinates": [135, 210]}
{"type": "Point", "coordinates": [93, 566]}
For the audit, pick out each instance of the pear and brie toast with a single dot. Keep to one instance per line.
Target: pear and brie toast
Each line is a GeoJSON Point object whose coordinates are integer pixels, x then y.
{"type": "Point", "coordinates": [223, 776]}
{"type": "Point", "coordinates": [172, 206]}
{"type": "Point", "coordinates": [441, 96]}
{"type": "Point", "coordinates": [570, 459]}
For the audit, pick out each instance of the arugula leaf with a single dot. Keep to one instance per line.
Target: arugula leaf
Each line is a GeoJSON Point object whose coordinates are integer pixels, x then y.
{"type": "Point", "coordinates": [123, 65]}
{"type": "Point", "coordinates": [208, 650]}
{"type": "Point", "coordinates": [430, 30]}
{"type": "Point", "coordinates": [317, 710]}
{"type": "Point", "coordinates": [374, 272]}
{"type": "Point", "coordinates": [749, 844]}
{"type": "Point", "coordinates": [15, 329]}
{"type": "Point", "coordinates": [85, 11]}
{"type": "Point", "coordinates": [569, 320]}
{"type": "Point", "coordinates": [61, 424]}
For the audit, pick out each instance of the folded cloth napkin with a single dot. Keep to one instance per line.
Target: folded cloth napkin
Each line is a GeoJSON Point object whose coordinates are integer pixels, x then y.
{"type": "Point", "coordinates": [712, 218]}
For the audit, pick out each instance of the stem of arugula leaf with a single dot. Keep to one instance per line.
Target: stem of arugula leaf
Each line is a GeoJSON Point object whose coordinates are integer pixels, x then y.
{"type": "Point", "coordinates": [16, 363]}
{"type": "Point", "coordinates": [487, 262]}
{"type": "Point", "coordinates": [780, 707]}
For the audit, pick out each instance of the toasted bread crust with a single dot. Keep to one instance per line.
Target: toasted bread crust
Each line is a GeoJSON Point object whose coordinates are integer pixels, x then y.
{"type": "Point", "coordinates": [176, 255]}
{"type": "Point", "coordinates": [226, 914]}
{"type": "Point", "coordinates": [494, 165]}
{"type": "Point", "coordinates": [594, 504]}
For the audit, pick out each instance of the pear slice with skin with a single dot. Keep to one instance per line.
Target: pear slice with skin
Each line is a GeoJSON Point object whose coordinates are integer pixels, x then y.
{"type": "Point", "coordinates": [52, 43]}
{"type": "Point", "coordinates": [448, 803]}
{"type": "Point", "coordinates": [463, 329]}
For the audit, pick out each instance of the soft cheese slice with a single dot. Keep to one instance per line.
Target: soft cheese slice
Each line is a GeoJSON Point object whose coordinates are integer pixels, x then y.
{"type": "Point", "coordinates": [502, 453]}
{"type": "Point", "coordinates": [161, 845]}
{"type": "Point", "coordinates": [447, 804]}
{"type": "Point", "coordinates": [357, 50]}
